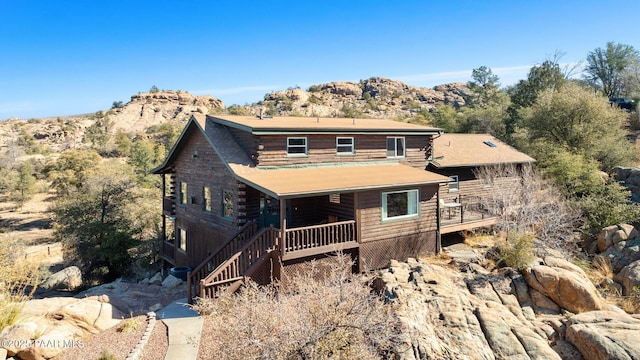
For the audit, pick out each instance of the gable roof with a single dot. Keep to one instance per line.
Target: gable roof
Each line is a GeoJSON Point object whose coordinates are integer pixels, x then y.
{"type": "Point", "coordinates": [317, 125]}
{"type": "Point", "coordinates": [464, 150]}
{"type": "Point", "coordinates": [287, 182]}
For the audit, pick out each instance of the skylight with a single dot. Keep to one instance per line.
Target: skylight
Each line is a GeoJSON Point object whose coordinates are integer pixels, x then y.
{"type": "Point", "coordinates": [489, 143]}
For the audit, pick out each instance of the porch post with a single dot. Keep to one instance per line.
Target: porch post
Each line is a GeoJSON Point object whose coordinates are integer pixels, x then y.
{"type": "Point", "coordinates": [283, 226]}
{"type": "Point", "coordinates": [438, 218]}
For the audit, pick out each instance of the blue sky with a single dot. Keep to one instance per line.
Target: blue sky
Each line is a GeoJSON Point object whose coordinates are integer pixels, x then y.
{"type": "Point", "coordinates": [71, 57]}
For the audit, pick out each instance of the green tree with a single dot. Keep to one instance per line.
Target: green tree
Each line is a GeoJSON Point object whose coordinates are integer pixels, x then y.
{"type": "Point", "coordinates": [484, 88]}
{"type": "Point", "coordinates": [154, 89]}
{"type": "Point", "coordinates": [71, 169]}
{"type": "Point", "coordinates": [123, 142]}
{"type": "Point", "coordinates": [99, 133]}
{"type": "Point", "coordinates": [142, 158]}
{"type": "Point", "coordinates": [606, 68]}
{"type": "Point", "coordinates": [547, 75]}
{"type": "Point", "coordinates": [24, 184]}
{"type": "Point", "coordinates": [103, 225]}
{"type": "Point", "coordinates": [580, 122]}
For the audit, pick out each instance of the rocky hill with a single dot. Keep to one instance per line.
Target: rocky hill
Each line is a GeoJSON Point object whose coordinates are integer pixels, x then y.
{"type": "Point", "coordinates": [373, 97]}
{"type": "Point", "coordinates": [147, 109]}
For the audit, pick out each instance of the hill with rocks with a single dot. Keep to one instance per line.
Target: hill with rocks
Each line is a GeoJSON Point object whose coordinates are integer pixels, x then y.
{"type": "Point", "coordinates": [374, 98]}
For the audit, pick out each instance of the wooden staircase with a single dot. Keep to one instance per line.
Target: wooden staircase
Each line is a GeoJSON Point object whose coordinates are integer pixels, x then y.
{"type": "Point", "coordinates": [233, 262]}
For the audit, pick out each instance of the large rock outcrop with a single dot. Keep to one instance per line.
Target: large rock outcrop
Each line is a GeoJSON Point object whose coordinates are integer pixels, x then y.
{"type": "Point", "coordinates": [565, 284]}
{"type": "Point", "coordinates": [600, 335]}
{"type": "Point", "coordinates": [153, 108]}
{"type": "Point", "coordinates": [373, 97]}
{"type": "Point", "coordinates": [455, 315]}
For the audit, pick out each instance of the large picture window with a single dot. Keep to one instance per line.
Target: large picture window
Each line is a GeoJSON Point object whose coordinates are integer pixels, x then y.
{"type": "Point", "coordinates": [395, 147]}
{"type": "Point", "coordinates": [296, 146]}
{"type": "Point", "coordinates": [344, 146]}
{"type": "Point", "coordinates": [399, 204]}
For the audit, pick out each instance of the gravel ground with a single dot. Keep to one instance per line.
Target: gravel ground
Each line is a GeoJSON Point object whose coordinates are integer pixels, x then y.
{"type": "Point", "coordinates": [207, 349]}
{"type": "Point", "coordinates": [112, 341]}
{"type": "Point", "coordinates": [115, 342]}
{"type": "Point", "coordinates": [156, 347]}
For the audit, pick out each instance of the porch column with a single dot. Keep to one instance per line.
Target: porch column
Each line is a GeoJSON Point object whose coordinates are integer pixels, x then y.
{"type": "Point", "coordinates": [283, 226]}
{"type": "Point", "coordinates": [438, 233]}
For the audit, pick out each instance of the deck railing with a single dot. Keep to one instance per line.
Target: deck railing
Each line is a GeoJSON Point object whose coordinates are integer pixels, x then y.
{"type": "Point", "coordinates": [169, 251]}
{"type": "Point", "coordinates": [217, 257]}
{"type": "Point", "coordinates": [205, 281]}
{"type": "Point", "coordinates": [317, 236]}
{"type": "Point", "coordinates": [470, 209]}
{"type": "Point", "coordinates": [235, 268]}
{"type": "Point", "coordinates": [169, 205]}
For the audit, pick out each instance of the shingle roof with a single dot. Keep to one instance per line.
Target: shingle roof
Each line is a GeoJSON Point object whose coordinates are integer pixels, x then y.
{"type": "Point", "coordinates": [302, 125]}
{"type": "Point", "coordinates": [458, 150]}
{"type": "Point", "coordinates": [296, 182]}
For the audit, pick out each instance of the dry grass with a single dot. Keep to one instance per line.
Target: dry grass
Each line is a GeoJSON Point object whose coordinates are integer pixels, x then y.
{"type": "Point", "coordinates": [600, 270]}
{"type": "Point", "coordinates": [483, 240]}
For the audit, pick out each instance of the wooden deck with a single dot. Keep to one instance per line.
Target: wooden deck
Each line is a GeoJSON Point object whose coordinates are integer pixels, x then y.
{"type": "Point", "coordinates": [463, 218]}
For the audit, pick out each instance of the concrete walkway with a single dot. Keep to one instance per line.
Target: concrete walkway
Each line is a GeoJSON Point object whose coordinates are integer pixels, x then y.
{"type": "Point", "coordinates": [184, 326]}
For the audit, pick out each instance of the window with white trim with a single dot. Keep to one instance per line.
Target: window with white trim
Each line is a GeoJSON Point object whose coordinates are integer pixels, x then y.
{"type": "Point", "coordinates": [454, 185]}
{"type": "Point", "coordinates": [182, 239]}
{"type": "Point", "coordinates": [400, 204]}
{"type": "Point", "coordinates": [183, 193]}
{"type": "Point", "coordinates": [345, 146]}
{"type": "Point", "coordinates": [296, 146]}
{"type": "Point", "coordinates": [395, 147]}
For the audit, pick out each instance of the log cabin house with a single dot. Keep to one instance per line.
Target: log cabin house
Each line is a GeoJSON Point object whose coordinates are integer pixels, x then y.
{"type": "Point", "coordinates": [253, 197]}
{"type": "Point", "coordinates": [464, 199]}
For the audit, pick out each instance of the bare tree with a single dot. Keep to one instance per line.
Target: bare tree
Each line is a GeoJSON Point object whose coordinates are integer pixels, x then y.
{"type": "Point", "coordinates": [324, 311]}
{"type": "Point", "coordinates": [528, 204]}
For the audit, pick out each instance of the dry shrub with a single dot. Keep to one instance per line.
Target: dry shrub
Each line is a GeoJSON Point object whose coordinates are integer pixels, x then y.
{"type": "Point", "coordinates": [18, 281]}
{"type": "Point", "coordinates": [517, 250]}
{"type": "Point", "coordinates": [314, 317]}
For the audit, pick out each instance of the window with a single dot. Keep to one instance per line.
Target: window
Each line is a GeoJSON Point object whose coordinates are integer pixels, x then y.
{"type": "Point", "coordinates": [399, 204]}
{"type": "Point", "coordinates": [296, 146]}
{"type": "Point", "coordinates": [344, 146]}
{"type": "Point", "coordinates": [454, 185]}
{"type": "Point", "coordinates": [395, 147]}
{"type": "Point", "coordinates": [206, 198]}
{"type": "Point", "coordinates": [182, 239]}
{"type": "Point", "coordinates": [183, 192]}
{"type": "Point", "coordinates": [227, 204]}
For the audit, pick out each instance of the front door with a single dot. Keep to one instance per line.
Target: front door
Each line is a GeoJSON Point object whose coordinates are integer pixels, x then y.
{"type": "Point", "coordinates": [269, 211]}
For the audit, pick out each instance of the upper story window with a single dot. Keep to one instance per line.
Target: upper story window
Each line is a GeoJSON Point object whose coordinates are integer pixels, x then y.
{"type": "Point", "coordinates": [345, 146]}
{"type": "Point", "coordinates": [183, 193]}
{"type": "Point", "coordinates": [395, 147]}
{"type": "Point", "coordinates": [296, 146]}
{"type": "Point", "coordinates": [454, 185]}
{"type": "Point", "coordinates": [206, 198]}
{"type": "Point", "coordinates": [399, 204]}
